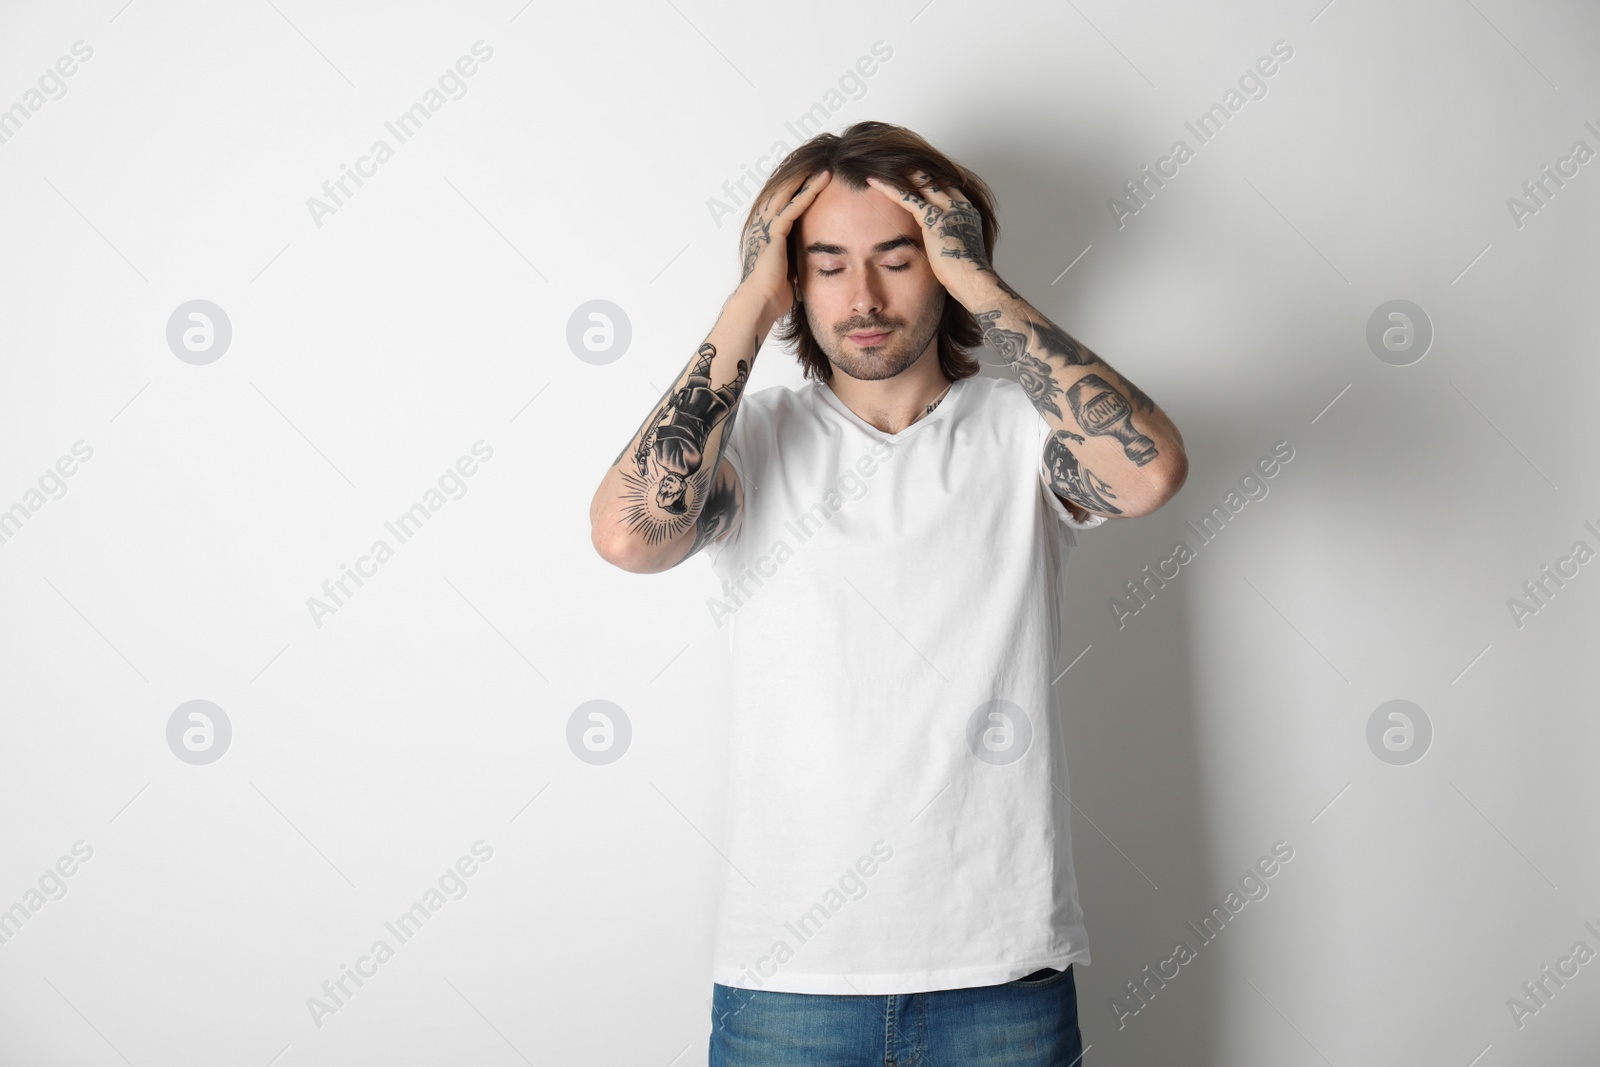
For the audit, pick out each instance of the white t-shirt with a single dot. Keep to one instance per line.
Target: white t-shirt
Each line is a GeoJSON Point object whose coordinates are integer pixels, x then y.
{"type": "Point", "coordinates": [897, 805]}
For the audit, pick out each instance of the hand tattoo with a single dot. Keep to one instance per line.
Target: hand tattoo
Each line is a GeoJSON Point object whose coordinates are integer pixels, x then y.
{"type": "Point", "coordinates": [962, 223]}
{"type": "Point", "coordinates": [756, 237]}
{"type": "Point", "coordinates": [930, 212]}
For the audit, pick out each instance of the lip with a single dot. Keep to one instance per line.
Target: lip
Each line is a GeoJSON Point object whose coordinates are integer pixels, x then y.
{"type": "Point", "coordinates": [869, 339]}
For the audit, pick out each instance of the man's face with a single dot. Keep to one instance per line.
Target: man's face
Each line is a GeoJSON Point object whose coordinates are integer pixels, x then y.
{"type": "Point", "coordinates": [863, 269]}
{"type": "Point", "coordinates": [669, 494]}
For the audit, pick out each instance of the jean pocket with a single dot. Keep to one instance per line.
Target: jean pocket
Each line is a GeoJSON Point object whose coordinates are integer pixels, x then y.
{"type": "Point", "coordinates": [1042, 977]}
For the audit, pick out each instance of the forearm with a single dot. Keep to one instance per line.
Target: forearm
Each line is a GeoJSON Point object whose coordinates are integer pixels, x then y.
{"type": "Point", "coordinates": [1111, 448]}
{"type": "Point", "coordinates": [650, 500]}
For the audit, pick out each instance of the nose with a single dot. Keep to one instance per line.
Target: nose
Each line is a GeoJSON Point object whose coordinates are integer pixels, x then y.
{"type": "Point", "coordinates": [867, 299]}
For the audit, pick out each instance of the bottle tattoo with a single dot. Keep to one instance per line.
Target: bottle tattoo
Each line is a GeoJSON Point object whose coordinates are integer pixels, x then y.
{"type": "Point", "coordinates": [1100, 409]}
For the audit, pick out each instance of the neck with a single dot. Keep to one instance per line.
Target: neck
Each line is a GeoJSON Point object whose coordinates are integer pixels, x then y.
{"type": "Point", "coordinates": [892, 404]}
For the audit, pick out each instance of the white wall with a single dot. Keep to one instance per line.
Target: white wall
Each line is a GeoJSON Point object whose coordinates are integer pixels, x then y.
{"type": "Point", "coordinates": [374, 346]}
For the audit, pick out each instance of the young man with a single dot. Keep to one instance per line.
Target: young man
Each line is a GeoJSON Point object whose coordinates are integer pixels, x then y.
{"type": "Point", "coordinates": [893, 540]}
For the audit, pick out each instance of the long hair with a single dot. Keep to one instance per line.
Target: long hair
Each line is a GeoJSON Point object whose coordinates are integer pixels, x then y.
{"type": "Point", "coordinates": [893, 154]}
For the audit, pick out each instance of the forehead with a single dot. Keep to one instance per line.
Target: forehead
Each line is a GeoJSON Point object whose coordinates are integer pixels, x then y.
{"type": "Point", "coordinates": [854, 219]}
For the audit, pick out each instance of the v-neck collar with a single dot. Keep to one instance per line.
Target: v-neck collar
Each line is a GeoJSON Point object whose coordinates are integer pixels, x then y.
{"type": "Point", "coordinates": [831, 398]}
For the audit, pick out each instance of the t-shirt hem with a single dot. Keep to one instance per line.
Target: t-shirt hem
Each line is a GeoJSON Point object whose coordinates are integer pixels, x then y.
{"type": "Point", "coordinates": [900, 982]}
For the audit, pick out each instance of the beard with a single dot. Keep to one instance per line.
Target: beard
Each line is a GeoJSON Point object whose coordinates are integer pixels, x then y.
{"type": "Point", "coordinates": [897, 351]}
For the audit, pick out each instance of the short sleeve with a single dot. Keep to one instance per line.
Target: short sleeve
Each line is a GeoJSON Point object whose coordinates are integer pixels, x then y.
{"type": "Point", "coordinates": [1054, 502]}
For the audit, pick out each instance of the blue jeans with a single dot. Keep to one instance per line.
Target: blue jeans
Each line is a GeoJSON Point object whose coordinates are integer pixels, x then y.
{"type": "Point", "coordinates": [1031, 1022]}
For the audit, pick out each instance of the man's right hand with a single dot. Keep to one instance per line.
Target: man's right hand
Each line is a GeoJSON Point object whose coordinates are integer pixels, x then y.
{"type": "Point", "coordinates": [765, 275]}
{"type": "Point", "coordinates": [633, 522]}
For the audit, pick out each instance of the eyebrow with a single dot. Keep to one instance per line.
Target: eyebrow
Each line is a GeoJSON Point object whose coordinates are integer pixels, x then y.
{"type": "Point", "coordinates": [817, 248]}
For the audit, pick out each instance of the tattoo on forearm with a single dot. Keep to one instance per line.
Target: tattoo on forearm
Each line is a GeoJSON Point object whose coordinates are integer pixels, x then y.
{"type": "Point", "coordinates": [1141, 399]}
{"type": "Point", "coordinates": [1073, 480]}
{"type": "Point", "coordinates": [717, 515]}
{"type": "Point", "coordinates": [1054, 340]}
{"type": "Point", "coordinates": [655, 413]}
{"type": "Point", "coordinates": [722, 499]}
{"type": "Point", "coordinates": [1100, 409]}
{"type": "Point", "coordinates": [1008, 343]}
{"type": "Point", "coordinates": [698, 375]}
{"type": "Point", "coordinates": [1039, 382]}
{"type": "Point", "coordinates": [668, 468]}
{"type": "Point", "coordinates": [1103, 408]}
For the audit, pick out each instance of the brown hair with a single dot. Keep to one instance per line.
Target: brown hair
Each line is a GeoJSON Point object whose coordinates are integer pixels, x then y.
{"type": "Point", "coordinates": [889, 153]}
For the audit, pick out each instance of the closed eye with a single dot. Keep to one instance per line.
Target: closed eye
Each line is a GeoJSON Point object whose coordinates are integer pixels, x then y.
{"type": "Point", "coordinates": [836, 270]}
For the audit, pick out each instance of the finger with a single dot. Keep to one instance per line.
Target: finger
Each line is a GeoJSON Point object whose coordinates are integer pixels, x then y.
{"type": "Point", "coordinates": [779, 195]}
{"type": "Point", "coordinates": [935, 193]}
{"type": "Point", "coordinates": [889, 189]}
{"type": "Point", "coordinates": [803, 196]}
{"type": "Point", "coordinates": [903, 197]}
{"type": "Point", "coordinates": [925, 191]}
{"type": "Point", "coordinates": [784, 194]}
{"type": "Point", "coordinates": [800, 201]}
{"type": "Point", "coordinates": [924, 211]}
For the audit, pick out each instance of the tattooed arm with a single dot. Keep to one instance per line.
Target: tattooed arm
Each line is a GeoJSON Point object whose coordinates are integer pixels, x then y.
{"type": "Point", "coordinates": [1111, 450]}
{"type": "Point", "coordinates": [668, 493]}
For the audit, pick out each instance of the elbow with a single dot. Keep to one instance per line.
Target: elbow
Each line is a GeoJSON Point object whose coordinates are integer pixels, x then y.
{"type": "Point", "coordinates": [608, 535]}
{"type": "Point", "coordinates": [1162, 484]}
{"type": "Point", "coordinates": [624, 553]}
{"type": "Point", "coordinates": [614, 550]}
{"type": "Point", "coordinates": [1175, 475]}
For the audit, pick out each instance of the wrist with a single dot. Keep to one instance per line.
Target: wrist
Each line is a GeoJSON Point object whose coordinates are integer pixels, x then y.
{"type": "Point", "coordinates": [755, 309]}
{"type": "Point", "coordinates": [990, 294]}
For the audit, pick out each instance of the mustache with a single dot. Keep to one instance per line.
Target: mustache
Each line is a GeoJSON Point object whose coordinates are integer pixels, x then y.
{"type": "Point", "coordinates": [863, 327]}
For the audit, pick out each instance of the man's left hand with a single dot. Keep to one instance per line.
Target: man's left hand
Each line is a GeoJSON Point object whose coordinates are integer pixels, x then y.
{"type": "Point", "coordinates": [952, 235]}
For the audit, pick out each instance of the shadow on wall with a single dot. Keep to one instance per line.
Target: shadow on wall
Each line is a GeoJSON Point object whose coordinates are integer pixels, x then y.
{"type": "Point", "coordinates": [1128, 706]}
